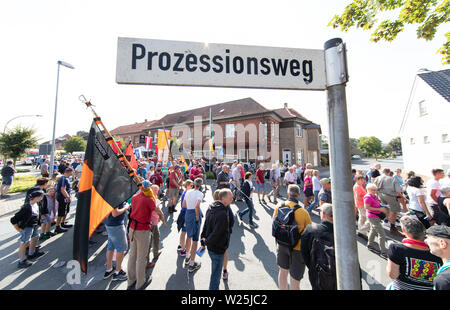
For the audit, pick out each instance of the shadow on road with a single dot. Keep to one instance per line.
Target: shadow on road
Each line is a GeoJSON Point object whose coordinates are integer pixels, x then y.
{"type": "Point", "coordinates": [181, 280]}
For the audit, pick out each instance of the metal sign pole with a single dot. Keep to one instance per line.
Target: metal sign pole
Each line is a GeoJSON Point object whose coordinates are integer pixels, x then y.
{"type": "Point", "coordinates": [347, 264]}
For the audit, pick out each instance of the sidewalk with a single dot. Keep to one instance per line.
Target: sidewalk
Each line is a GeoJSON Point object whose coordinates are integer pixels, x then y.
{"type": "Point", "coordinates": [9, 206]}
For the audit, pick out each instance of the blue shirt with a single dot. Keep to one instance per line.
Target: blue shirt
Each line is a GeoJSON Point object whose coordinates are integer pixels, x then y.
{"type": "Point", "coordinates": [63, 181]}
{"type": "Point", "coordinates": [142, 172]}
{"type": "Point", "coordinates": [118, 220]}
{"type": "Point", "coordinates": [398, 179]}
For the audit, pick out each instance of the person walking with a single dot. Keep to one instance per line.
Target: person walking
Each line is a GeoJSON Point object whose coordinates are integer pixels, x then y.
{"type": "Point", "coordinates": [290, 260]}
{"type": "Point", "coordinates": [174, 188]}
{"type": "Point", "coordinates": [316, 189]}
{"type": "Point", "coordinates": [314, 236]}
{"type": "Point", "coordinates": [142, 206]}
{"type": "Point", "coordinates": [417, 205]}
{"type": "Point", "coordinates": [411, 264]}
{"type": "Point", "coordinates": [261, 183]}
{"type": "Point", "coordinates": [117, 241]}
{"type": "Point", "coordinates": [358, 193]}
{"type": "Point", "coordinates": [216, 234]}
{"type": "Point", "coordinates": [247, 190]}
{"type": "Point", "coordinates": [223, 178]}
{"type": "Point", "coordinates": [193, 218]}
{"type": "Point", "coordinates": [438, 239]}
{"type": "Point", "coordinates": [157, 216]}
{"type": "Point", "coordinates": [325, 191]}
{"type": "Point", "coordinates": [433, 189]}
{"type": "Point", "coordinates": [375, 213]}
{"type": "Point", "coordinates": [26, 222]}
{"type": "Point", "coordinates": [275, 182]}
{"type": "Point", "coordinates": [308, 188]}
{"type": "Point", "coordinates": [181, 223]}
{"type": "Point", "coordinates": [389, 190]}
{"type": "Point", "coordinates": [8, 172]}
{"type": "Point", "coordinates": [63, 197]}
{"type": "Point", "coordinates": [237, 181]}
{"type": "Point", "coordinates": [444, 206]}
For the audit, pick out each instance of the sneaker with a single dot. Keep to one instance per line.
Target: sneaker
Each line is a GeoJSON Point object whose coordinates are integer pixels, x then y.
{"type": "Point", "coordinates": [146, 283]}
{"type": "Point", "coordinates": [121, 276]}
{"type": "Point", "coordinates": [66, 225]}
{"type": "Point", "coordinates": [225, 275]}
{"type": "Point", "coordinates": [186, 260]}
{"type": "Point", "coordinates": [24, 264]}
{"type": "Point", "coordinates": [108, 274]}
{"type": "Point", "coordinates": [44, 237]}
{"type": "Point", "coordinates": [50, 234]}
{"type": "Point", "coordinates": [36, 254]}
{"type": "Point", "coordinates": [253, 225]}
{"type": "Point", "coordinates": [59, 230]}
{"type": "Point", "coordinates": [179, 249]}
{"type": "Point", "coordinates": [194, 267]}
{"type": "Point", "coordinates": [373, 248]}
{"type": "Point", "coordinates": [183, 253]}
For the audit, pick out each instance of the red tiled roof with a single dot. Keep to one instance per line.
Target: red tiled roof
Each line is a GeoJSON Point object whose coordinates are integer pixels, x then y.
{"type": "Point", "coordinates": [137, 127]}
{"type": "Point", "coordinates": [287, 113]}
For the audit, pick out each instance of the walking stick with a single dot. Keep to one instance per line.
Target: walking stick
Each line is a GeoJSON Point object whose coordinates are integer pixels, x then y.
{"type": "Point", "coordinates": [121, 157]}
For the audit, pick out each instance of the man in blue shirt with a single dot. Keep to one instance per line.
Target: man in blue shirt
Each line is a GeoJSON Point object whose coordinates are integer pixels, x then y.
{"type": "Point", "coordinates": [63, 197]}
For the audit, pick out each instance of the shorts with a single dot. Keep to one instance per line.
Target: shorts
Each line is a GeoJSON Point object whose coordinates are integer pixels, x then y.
{"type": "Point", "coordinates": [29, 233]}
{"type": "Point", "coordinates": [192, 226]}
{"type": "Point", "coordinates": [63, 207]}
{"type": "Point", "coordinates": [260, 186]}
{"type": "Point", "coordinates": [392, 202]}
{"type": "Point", "coordinates": [291, 260]}
{"type": "Point", "coordinates": [117, 238]}
{"type": "Point", "coordinates": [46, 218]}
{"type": "Point", "coordinates": [309, 192]}
{"type": "Point", "coordinates": [7, 180]}
{"type": "Point", "coordinates": [173, 193]}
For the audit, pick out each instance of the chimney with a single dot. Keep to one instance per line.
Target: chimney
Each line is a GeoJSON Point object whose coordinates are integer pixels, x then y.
{"type": "Point", "coordinates": [285, 105]}
{"type": "Point", "coordinates": [145, 120]}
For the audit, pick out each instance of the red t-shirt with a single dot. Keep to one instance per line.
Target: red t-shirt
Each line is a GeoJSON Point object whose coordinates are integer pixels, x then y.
{"type": "Point", "coordinates": [260, 175]}
{"type": "Point", "coordinates": [173, 177]}
{"type": "Point", "coordinates": [141, 210]}
{"type": "Point", "coordinates": [195, 173]}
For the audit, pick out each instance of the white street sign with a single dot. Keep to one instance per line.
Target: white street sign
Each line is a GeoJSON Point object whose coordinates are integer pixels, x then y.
{"type": "Point", "coordinates": [161, 62]}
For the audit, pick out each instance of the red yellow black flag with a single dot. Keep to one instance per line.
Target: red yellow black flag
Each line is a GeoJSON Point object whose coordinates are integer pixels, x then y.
{"type": "Point", "coordinates": [105, 184]}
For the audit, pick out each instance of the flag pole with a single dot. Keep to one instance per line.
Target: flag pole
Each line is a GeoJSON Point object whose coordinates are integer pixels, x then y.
{"type": "Point", "coordinates": [111, 142]}
{"type": "Point", "coordinates": [167, 141]}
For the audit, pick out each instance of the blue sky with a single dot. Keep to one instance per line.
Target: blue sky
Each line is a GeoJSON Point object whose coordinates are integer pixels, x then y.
{"type": "Point", "coordinates": [36, 34]}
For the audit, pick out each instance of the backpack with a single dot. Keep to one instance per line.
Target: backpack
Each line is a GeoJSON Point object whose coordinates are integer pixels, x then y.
{"type": "Point", "coordinates": [285, 228]}
{"type": "Point", "coordinates": [323, 262]}
{"type": "Point", "coordinates": [267, 175]}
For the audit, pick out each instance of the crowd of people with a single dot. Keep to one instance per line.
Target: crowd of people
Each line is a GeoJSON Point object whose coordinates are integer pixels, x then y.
{"type": "Point", "coordinates": [382, 198]}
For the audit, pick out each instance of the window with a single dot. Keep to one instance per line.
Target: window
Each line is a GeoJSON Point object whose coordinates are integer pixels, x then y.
{"type": "Point", "coordinates": [412, 141]}
{"type": "Point", "coordinates": [426, 140]}
{"type": "Point", "coordinates": [272, 126]}
{"type": "Point", "coordinates": [445, 138]}
{"type": "Point", "coordinates": [229, 131]}
{"type": "Point", "coordinates": [423, 108]}
{"type": "Point", "coordinates": [298, 131]}
{"type": "Point", "coordinates": [265, 130]}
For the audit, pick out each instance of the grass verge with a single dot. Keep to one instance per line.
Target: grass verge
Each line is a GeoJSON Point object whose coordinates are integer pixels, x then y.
{"type": "Point", "coordinates": [22, 183]}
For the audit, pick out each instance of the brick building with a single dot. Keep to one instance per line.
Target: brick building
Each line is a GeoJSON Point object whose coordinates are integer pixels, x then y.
{"type": "Point", "coordinates": [243, 129]}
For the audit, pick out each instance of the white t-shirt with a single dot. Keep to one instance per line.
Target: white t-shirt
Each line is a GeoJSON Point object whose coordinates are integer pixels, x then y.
{"type": "Point", "coordinates": [445, 182]}
{"type": "Point", "coordinates": [433, 184]}
{"type": "Point", "coordinates": [191, 198]}
{"type": "Point", "coordinates": [413, 193]}
{"type": "Point", "coordinates": [316, 184]}
{"type": "Point", "coordinates": [290, 177]}
{"type": "Point", "coordinates": [35, 209]}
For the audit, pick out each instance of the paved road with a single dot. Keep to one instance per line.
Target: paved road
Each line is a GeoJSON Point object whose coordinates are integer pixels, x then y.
{"type": "Point", "coordinates": [252, 262]}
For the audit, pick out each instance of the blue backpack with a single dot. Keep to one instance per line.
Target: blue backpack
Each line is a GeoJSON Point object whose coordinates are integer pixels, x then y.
{"type": "Point", "coordinates": [285, 228]}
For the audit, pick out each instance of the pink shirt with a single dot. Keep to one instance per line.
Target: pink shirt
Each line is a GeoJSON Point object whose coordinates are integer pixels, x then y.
{"type": "Point", "coordinates": [308, 183]}
{"type": "Point", "coordinates": [359, 192]}
{"type": "Point", "coordinates": [374, 203]}
{"type": "Point", "coordinates": [155, 218]}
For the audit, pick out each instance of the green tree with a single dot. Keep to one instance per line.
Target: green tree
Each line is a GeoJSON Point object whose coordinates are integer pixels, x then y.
{"type": "Point", "coordinates": [75, 144]}
{"type": "Point", "coordinates": [324, 141]}
{"type": "Point", "coordinates": [15, 142]}
{"type": "Point", "coordinates": [427, 14]}
{"type": "Point", "coordinates": [395, 145]}
{"type": "Point", "coordinates": [371, 146]}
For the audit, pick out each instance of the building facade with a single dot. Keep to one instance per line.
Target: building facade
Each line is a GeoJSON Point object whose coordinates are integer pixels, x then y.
{"type": "Point", "coordinates": [425, 129]}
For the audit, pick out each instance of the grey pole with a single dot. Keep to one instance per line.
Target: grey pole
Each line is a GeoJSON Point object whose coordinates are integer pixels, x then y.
{"type": "Point", "coordinates": [52, 154]}
{"type": "Point", "coordinates": [347, 264]}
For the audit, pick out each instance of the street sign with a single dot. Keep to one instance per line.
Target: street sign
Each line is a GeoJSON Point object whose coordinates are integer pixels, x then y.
{"type": "Point", "coordinates": [163, 62]}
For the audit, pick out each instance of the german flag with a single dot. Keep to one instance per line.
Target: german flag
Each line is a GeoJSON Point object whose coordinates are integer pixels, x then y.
{"type": "Point", "coordinates": [105, 184]}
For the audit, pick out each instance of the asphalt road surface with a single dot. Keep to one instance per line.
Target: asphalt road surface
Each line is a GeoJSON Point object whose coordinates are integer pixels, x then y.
{"type": "Point", "coordinates": [252, 263]}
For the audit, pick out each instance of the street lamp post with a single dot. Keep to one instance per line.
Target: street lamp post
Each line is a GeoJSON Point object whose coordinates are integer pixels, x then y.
{"type": "Point", "coordinates": [4, 129]}
{"type": "Point", "coordinates": [52, 154]}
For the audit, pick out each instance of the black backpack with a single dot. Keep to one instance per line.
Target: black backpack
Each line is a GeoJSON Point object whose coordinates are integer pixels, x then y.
{"type": "Point", "coordinates": [323, 262]}
{"type": "Point", "coordinates": [285, 228]}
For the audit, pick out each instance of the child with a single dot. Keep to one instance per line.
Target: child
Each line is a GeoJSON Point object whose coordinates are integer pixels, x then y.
{"type": "Point", "coordinates": [47, 210]}
{"type": "Point", "coordinates": [180, 221]}
{"type": "Point", "coordinates": [154, 240]}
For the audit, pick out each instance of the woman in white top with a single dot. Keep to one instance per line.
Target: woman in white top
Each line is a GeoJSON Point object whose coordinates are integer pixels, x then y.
{"type": "Point", "coordinates": [417, 205]}
{"type": "Point", "coordinates": [316, 189]}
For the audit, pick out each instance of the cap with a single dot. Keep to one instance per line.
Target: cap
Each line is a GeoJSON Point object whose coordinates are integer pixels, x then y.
{"type": "Point", "coordinates": [146, 184]}
{"type": "Point", "coordinates": [439, 231]}
{"type": "Point", "coordinates": [36, 193]}
{"type": "Point", "coordinates": [327, 209]}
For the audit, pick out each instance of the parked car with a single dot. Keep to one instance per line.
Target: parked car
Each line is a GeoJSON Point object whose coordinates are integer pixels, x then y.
{"type": "Point", "coordinates": [356, 157]}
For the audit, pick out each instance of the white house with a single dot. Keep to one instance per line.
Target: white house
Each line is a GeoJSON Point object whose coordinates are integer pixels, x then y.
{"type": "Point", "coordinates": [425, 129]}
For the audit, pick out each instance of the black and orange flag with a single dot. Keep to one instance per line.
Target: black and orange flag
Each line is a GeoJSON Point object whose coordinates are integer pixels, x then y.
{"type": "Point", "coordinates": [104, 185]}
